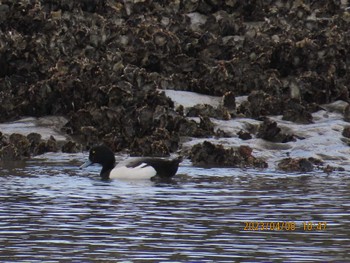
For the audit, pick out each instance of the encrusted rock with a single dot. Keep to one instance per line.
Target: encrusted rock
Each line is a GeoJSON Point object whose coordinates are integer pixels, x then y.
{"type": "Point", "coordinates": [269, 131]}
{"type": "Point", "coordinates": [210, 155]}
{"type": "Point", "coordinates": [244, 135]}
{"type": "Point", "coordinates": [9, 153]}
{"type": "Point", "coordinates": [346, 132]}
{"type": "Point", "coordinates": [296, 165]}
{"type": "Point", "coordinates": [297, 113]}
{"type": "Point", "coordinates": [220, 113]}
{"type": "Point", "coordinates": [101, 64]}
{"type": "Point", "coordinates": [71, 147]}
{"type": "Point", "coordinates": [229, 101]}
{"type": "Point", "coordinates": [21, 143]}
{"type": "Point", "coordinates": [34, 139]}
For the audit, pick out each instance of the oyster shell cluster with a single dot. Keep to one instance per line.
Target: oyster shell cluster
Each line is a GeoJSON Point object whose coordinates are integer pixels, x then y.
{"type": "Point", "coordinates": [102, 63]}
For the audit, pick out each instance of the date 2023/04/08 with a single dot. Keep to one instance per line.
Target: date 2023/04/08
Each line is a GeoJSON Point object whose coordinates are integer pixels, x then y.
{"type": "Point", "coordinates": [283, 226]}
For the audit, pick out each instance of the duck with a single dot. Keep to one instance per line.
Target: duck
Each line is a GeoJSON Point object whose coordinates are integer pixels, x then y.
{"type": "Point", "coordinates": [131, 168]}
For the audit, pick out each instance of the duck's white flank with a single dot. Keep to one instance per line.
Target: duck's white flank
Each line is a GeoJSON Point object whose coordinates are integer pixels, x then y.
{"type": "Point", "coordinates": [132, 173]}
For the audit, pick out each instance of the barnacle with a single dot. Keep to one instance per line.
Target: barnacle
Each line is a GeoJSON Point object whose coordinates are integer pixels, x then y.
{"type": "Point", "coordinates": [100, 61]}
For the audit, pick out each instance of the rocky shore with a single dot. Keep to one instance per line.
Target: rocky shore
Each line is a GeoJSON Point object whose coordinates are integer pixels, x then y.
{"type": "Point", "coordinates": [105, 66]}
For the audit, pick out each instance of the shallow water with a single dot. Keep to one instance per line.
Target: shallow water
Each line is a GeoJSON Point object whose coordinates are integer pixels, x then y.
{"type": "Point", "coordinates": [50, 211]}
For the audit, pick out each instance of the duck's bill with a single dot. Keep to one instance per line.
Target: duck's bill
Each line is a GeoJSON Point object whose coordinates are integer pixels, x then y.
{"type": "Point", "coordinates": [86, 164]}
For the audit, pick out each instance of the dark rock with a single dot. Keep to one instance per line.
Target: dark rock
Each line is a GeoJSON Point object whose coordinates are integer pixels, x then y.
{"type": "Point", "coordinates": [269, 131]}
{"type": "Point", "coordinates": [205, 126]}
{"type": "Point", "coordinates": [244, 135]}
{"type": "Point", "coordinates": [21, 143]}
{"type": "Point", "coordinates": [329, 169]}
{"type": "Point", "coordinates": [208, 111]}
{"type": "Point", "coordinates": [90, 134]}
{"type": "Point", "coordinates": [229, 101]}
{"type": "Point", "coordinates": [191, 128]}
{"type": "Point", "coordinates": [46, 146]}
{"type": "Point", "coordinates": [297, 113]}
{"type": "Point", "coordinates": [34, 140]}
{"type": "Point", "coordinates": [347, 113]}
{"type": "Point", "coordinates": [71, 147]}
{"type": "Point", "coordinates": [20, 147]}
{"type": "Point", "coordinates": [219, 133]}
{"type": "Point", "coordinates": [296, 165]}
{"type": "Point", "coordinates": [40, 148]}
{"type": "Point", "coordinates": [210, 155]}
{"type": "Point", "coordinates": [261, 104]}
{"type": "Point", "coordinates": [346, 132]}
{"type": "Point", "coordinates": [51, 145]}
{"type": "Point", "coordinates": [101, 63]}
{"type": "Point", "coordinates": [4, 140]}
{"type": "Point", "coordinates": [9, 153]}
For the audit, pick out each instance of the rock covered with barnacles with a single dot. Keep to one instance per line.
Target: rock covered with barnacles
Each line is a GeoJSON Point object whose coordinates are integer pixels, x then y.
{"type": "Point", "coordinates": [207, 154]}
{"type": "Point", "coordinates": [19, 147]}
{"type": "Point", "coordinates": [103, 64]}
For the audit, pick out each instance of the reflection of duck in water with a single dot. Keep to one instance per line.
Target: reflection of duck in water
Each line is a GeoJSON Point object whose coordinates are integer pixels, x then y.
{"type": "Point", "coordinates": [133, 168]}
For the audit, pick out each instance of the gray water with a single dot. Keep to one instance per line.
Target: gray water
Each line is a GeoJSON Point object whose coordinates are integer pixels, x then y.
{"type": "Point", "coordinates": [50, 211]}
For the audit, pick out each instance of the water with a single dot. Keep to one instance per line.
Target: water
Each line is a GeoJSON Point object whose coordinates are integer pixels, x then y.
{"type": "Point", "coordinates": [50, 211]}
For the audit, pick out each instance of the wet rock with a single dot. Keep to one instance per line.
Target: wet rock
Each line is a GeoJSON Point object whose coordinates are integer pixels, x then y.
{"type": "Point", "coordinates": [15, 147]}
{"type": "Point", "coordinates": [19, 147]}
{"type": "Point", "coordinates": [47, 146]}
{"type": "Point", "coordinates": [244, 135]}
{"type": "Point", "coordinates": [269, 131]}
{"type": "Point", "coordinates": [41, 148]}
{"type": "Point", "coordinates": [190, 128]}
{"type": "Point", "coordinates": [34, 140]}
{"type": "Point", "coordinates": [329, 169]}
{"type": "Point", "coordinates": [296, 165]}
{"type": "Point", "coordinates": [219, 133]}
{"type": "Point", "coordinates": [3, 140]}
{"type": "Point", "coordinates": [261, 104]}
{"type": "Point", "coordinates": [207, 154]}
{"type": "Point", "coordinates": [347, 113]}
{"type": "Point", "coordinates": [220, 113]}
{"type": "Point", "coordinates": [229, 101]}
{"type": "Point", "coordinates": [205, 126]}
{"type": "Point", "coordinates": [296, 113]}
{"type": "Point", "coordinates": [9, 153]}
{"type": "Point", "coordinates": [160, 143]}
{"type": "Point", "coordinates": [51, 145]}
{"type": "Point", "coordinates": [346, 132]}
{"type": "Point", "coordinates": [100, 63]}
{"type": "Point", "coordinates": [89, 135]}
{"type": "Point", "coordinates": [149, 147]}
{"type": "Point", "coordinates": [21, 143]}
{"type": "Point", "coordinates": [71, 147]}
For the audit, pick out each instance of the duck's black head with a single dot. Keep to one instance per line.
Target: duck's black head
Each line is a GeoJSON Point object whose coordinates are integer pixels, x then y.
{"type": "Point", "coordinates": [102, 155]}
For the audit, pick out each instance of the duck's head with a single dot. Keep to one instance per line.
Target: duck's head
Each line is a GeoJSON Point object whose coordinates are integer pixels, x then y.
{"type": "Point", "coordinates": [102, 155]}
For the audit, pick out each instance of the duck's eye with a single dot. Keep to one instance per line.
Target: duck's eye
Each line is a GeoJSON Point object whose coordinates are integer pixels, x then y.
{"type": "Point", "coordinates": [93, 152]}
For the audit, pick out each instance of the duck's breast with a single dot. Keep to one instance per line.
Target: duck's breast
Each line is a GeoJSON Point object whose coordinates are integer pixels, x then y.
{"type": "Point", "coordinates": [140, 172]}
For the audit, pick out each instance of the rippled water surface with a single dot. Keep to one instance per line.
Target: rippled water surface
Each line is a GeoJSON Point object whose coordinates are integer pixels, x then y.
{"type": "Point", "coordinates": [50, 211]}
